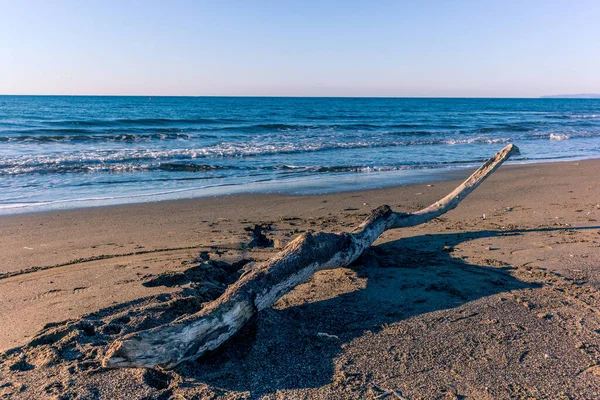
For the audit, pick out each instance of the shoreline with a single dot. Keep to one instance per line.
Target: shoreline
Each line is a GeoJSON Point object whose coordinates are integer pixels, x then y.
{"type": "Point", "coordinates": [509, 302]}
{"type": "Point", "coordinates": [120, 221]}
{"type": "Point", "coordinates": [416, 177]}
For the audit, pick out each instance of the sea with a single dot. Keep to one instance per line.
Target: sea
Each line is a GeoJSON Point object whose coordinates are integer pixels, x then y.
{"type": "Point", "coordinates": [59, 152]}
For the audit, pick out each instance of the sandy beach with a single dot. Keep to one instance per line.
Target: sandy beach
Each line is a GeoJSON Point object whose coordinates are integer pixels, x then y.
{"type": "Point", "coordinates": [497, 299]}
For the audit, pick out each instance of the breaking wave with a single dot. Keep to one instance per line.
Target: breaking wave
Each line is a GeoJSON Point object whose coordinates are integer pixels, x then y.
{"type": "Point", "coordinates": [557, 136]}
{"type": "Point", "coordinates": [55, 147]}
{"type": "Point", "coordinates": [125, 160]}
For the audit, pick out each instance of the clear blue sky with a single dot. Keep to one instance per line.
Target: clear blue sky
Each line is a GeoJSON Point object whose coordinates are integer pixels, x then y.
{"type": "Point", "coordinates": [503, 48]}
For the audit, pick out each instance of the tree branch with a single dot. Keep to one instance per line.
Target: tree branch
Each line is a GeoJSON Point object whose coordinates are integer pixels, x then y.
{"type": "Point", "coordinates": [187, 339]}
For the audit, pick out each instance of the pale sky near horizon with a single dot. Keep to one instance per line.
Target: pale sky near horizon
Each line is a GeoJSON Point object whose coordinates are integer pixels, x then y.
{"type": "Point", "coordinates": [449, 48]}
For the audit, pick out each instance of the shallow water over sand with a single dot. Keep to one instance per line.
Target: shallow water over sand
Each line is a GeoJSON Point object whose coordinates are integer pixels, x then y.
{"type": "Point", "coordinates": [67, 152]}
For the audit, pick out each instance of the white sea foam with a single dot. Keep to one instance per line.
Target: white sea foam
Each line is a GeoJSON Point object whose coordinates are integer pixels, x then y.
{"type": "Point", "coordinates": [86, 153]}
{"type": "Point", "coordinates": [479, 139]}
{"type": "Point", "coordinates": [558, 136]}
{"type": "Point", "coordinates": [585, 116]}
{"type": "Point", "coordinates": [137, 159]}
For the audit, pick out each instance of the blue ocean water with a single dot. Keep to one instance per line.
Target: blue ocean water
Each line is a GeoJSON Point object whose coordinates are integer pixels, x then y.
{"type": "Point", "coordinates": [65, 152]}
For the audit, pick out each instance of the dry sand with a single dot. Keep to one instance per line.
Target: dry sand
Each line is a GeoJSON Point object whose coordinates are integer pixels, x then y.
{"type": "Point", "coordinates": [461, 307]}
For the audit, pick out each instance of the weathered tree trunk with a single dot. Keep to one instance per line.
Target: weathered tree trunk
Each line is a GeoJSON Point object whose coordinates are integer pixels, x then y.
{"type": "Point", "coordinates": [257, 289]}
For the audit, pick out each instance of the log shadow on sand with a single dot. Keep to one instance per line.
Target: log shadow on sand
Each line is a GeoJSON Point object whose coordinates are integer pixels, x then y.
{"type": "Point", "coordinates": [393, 282]}
{"type": "Point", "coordinates": [404, 278]}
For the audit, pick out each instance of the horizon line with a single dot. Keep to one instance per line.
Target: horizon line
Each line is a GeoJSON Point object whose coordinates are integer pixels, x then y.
{"type": "Point", "coordinates": [546, 97]}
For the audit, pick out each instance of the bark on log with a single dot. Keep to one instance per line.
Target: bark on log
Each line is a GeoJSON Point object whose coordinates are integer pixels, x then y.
{"type": "Point", "coordinates": [189, 338]}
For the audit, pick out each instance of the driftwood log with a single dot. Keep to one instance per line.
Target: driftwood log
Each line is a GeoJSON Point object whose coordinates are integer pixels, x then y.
{"type": "Point", "coordinates": [260, 287]}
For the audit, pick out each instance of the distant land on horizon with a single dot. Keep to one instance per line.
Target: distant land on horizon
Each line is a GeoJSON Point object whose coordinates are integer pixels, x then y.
{"type": "Point", "coordinates": [573, 96]}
